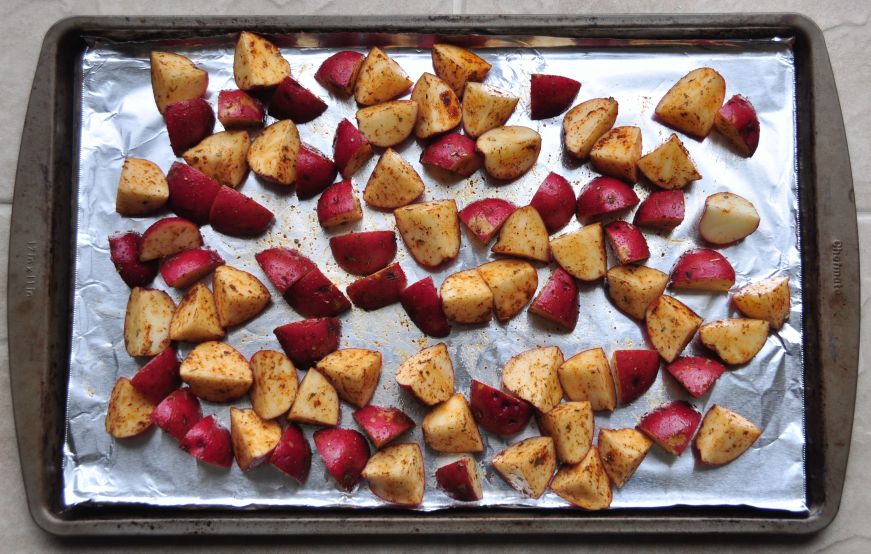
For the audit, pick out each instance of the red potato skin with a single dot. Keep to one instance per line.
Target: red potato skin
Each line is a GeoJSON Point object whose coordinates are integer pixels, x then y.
{"type": "Point", "coordinates": [339, 71]}
{"type": "Point", "coordinates": [551, 95]}
{"type": "Point", "coordinates": [210, 442]}
{"type": "Point", "coordinates": [236, 108]}
{"type": "Point", "coordinates": [739, 114]}
{"type": "Point", "coordinates": [336, 203]}
{"type": "Point", "coordinates": [314, 295]}
{"type": "Point", "coordinates": [378, 290]}
{"type": "Point", "coordinates": [191, 192]}
{"type": "Point", "coordinates": [696, 373]}
{"type": "Point", "coordinates": [636, 371]}
{"type": "Point", "coordinates": [453, 478]}
{"type": "Point", "coordinates": [162, 235]}
{"type": "Point", "coordinates": [364, 253]}
{"type": "Point", "coordinates": [349, 144]}
{"type": "Point", "coordinates": [702, 269]}
{"type": "Point", "coordinates": [485, 217]}
{"type": "Point", "coordinates": [627, 242]}
{"type": "Point", "coordinates": [498, 412]}
{"type": "Point", "coordinates": [305, 342]}
{"type": "Point", "coordinates": [345, 453]}
{"type": "Point", "coordinates": [423, 305]}
{"type": "Point", "coordinates": [314, 172]}
{"type": "Point", "coordinates": [187, 123]}
{"type": "Point", "coordinates": [454, 153]}
{"type": "Point", "coordinates": [671, 426]}
{"type": "Point", "coordinates": [293, 455]}
{"type": "Point", "coordinates": [178, 413]}
{"type": "Point", "coordinates": [189, 266]}
{"type": "Point", "coordinates": [159, 377]}
{"type": "Point", "coordinates": [293, 101]}
{"type": "Point", "coordinates": [663, 210]}
{"type": "Point", "coordinates": [605, 195]}
{"type": "Point", "coordinates": [237, 215]}
{"type": "Point", "coordinates": [559, 300]}
{"type": "Point", "coordinates": [382, 425]}
{"type": "Point", "coordinates": [283, 266]}
{"type": "Point", "coordinates": [554, 201]}
{"type": "Point", "coordinates": [124, 249]}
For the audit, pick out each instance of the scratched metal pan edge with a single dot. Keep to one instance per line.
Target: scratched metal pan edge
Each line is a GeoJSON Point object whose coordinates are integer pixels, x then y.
{"type": "Point", "coordinates": [39, 294]}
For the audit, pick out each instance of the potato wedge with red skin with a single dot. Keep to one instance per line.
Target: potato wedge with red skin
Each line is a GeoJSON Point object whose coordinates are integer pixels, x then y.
{"type": "Point", "coordinates": [142, 188]}
{"type": "Point", "coordinates": [196, 317]}
{"type": "Point", "coordinates": [314, 172]}
{"type": "Point", "coordinates": [222, 157]}
{"type": "Point", "coordinates": [380, 79]}
{"type": "Point", "coordinates": [512, 282]}
{"type": "Point", "coordinates": [691, 105]}
{"type": "Point", "coordinates": [159, 377]}
{"type": "Point", "coordinates": [191, 192]}
{"type": "Point", "coordinates": [314, 295]}
{"type": "Point", "coordinates": [428, 375]}
{"type": "Point", "coordinates": [238, 215]}
{"type": "Point", "coordinates": [586, 376]}
{"type": "Point", "coordinates": [189, 266]}
{"type": "Point", "coordinates": [174, 78]}
{"type": "Point", "coordinates": [316, 401]}
{"type": "Point", "coordinates": [187, 123]}
{"type": "Point", "coordinates": [365, 252]}
{"type": "Point", "coordinates": [671, 325]}
{"type": "Point", "coordinates": [509, 151]}
{"type": "Point", "coordinates": [466, 298]}
{"type": "Point", "coordinates": [339, 71]}
{"type": "Point", "coordinates": [388, 124]}
{"type": "Point", "coordinates": [257, 63]}
{"type": "Point", "coordinates": [272, 155]}
{"type": "Point", "coordinates": [736, 340]}
{"type": "Point", "coordinates": [570, 424]}
{"type": "Point", "coordinates": [124, 250]}
{"type": "Point", "coordinates": [169, 236]}
{"type": "Point", "coordinates": [457, 66]}
{"type": "Point", "coordinates": [554, 201]}
{"type": "Point", "coordinates": [430, 231]}
{"type": "Point", "coordinates": [450, 427]}
{"type": "Point", "coordinates": [586, 122]}
{"type": "Point", "coordinates": [292, 455]}
{"type": "Point", "coordinates": [727, 218]}
{"type": "Point", "coordinates": [129, 411]}
{"type": "Point", "coordinates": [532, 376]}
{"type": "Point", "coordinates": [217, 372]}
{"type": "Point", "coordinates": [737, 121]}
{"type": "Point", "coordinates": [283, 266]}
{"type": "Point", "coordinates": [766, 299]}
{"type": "Point", "coordinates": [393, 183]}
{"type": "Point", "coordinates": [635, 371]}
{"type": "Point", "coordinates": [528, 465]}
{"type": "Point", "coordinates": [498, 412]}
{"type": "Point", "coordinates": [453, 152]}
{"type": "Point", "coordinates": [396, 474]}
{"type": "Point", "coordinates": [581, 253]}
{"type": "Point", "coordinates": [622, 451]}
{"type": "Point", "coordinates": [696, 373]}
{"type": "Point", "coordinates": [662, 210]}
{"type": "Point", "coordinates": [702, 269]}
{"type": "Point", "coordinates": [585, 484]}
{"type": "Point", "coordinates": [305, 342]}
{"type": "Point", "coordinates": [605, 195]}
{"type": "Point", "coordinates": [671, 426]}
{"type": "Point", "coordinates": [291, 100]}
{"type": "Point", "coordinates": [460, 480]}
{"type": "Point", "coordinates": [237, 108]}
{"type": "Point", "coordinates": [627, 242]}
{"type": "Point", "coordinates": [351, 150]}
{"type": "Point", "coordinates": [438, 109]}
{"type": "Point", "coordinates": [254, 439]}
{"type": "Point", "coordinates": [551, 95]}
{"type": "Point", "coordinates": [378, 290]}
{"type": "Point", "coordinates": [524, 235]}
{"type": "Point", "coordinates": [485, 217]}
{"type": "Point", "coordinates": [345, 453]}
{"type": "Point", "coordinates": [422, 303]}
{"type": "Point", "coordinates": [353, 372]}
{"type": "Point", "coordinates": [724, 436]}
{"type": "Point", "coordinates": [274, 388]}
{"type": "Point", "coordinates": [208, 441]}
{"type": "Point", "coordinates": [558, 300]}
{"type": "Point", "coordinates": [382, 425]}
{"type": "Point", "coordinates": [485, 108]}
{"type": "Point", "coordinates": [146, 322]}
{"type": "Point", "coordinates": [239, 295]}
{"type": "Point", "coordinates": [339, 205]}
{"type": "Point", "coordinates": [669, 165]}
{"type": "Point", "coordinates": [617, 152]}
{"type": "Point", "coordinates": [633, 288]}
{"type": "Point", "coordinates": [177, 413]}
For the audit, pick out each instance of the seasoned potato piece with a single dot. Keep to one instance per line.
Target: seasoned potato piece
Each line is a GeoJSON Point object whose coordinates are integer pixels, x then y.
{"type": "Point", "coordinates": [175, 78]}
{"type": "Point", "coordinates": [380, 79]}
{"type": "Point", "coordinates": [509, 151]}
{"type": "Point", "coordinates": [724, 436]}
{"type": "Point", "coordinates": [767, 299]}
{"type": "Point", "coordinates": [389, 123]}
{"type": "Point", "coordinates": [691, 105]}
{"type": "Point", "coordinates": [585, 484]}
{"type": "Point", "coordinates": [239, 296]}
{"type": "Point", "coordinates": [633, 287]}
{"type": "Point", "coordinates": [428, 375]}
{"type": "Point", "coordinates": [485, 108]}
{"type": "Point", "coordinates": [570, 425]}
{"type": "Point", "coordinates": [272, 156]}
{"type": "Point", "coordinates": [586, 122]}
{"type": "Point", "coordinates": [622, 451]}
{"type": "Point", "coordinates": [457, 66]}
{"type": "Point", "coordinates": [254, 438]}
{"type": "Point", "coordinates": [524, 235]}
{"type": "Point", "coordinates": [275, 383]}
{"type": "Point", "coordinates": [396, 474]}
{"type": "Point", "coordinates": [532, 376]}
{"type": "Point", "coordinates": [196, 318]}
{"type": "Point", "coordinates": [512, 282]}
{"type": "Point", "coordinates": [216, 372]}
{"type": "Point", "coordinates": [669, 166]}
{"type": "Point", "coordinates": [258, 63]}
{"type": "Point", "coordinates": [353, 372]}
{"type": "Point", "coordinates": [317, 402]}
{"type": "Point", "coordinates": [528, 465]}
{"type": "Point", "coordinates": [587, 376]}
{"type": "Point", "coordinates": [671, 325]}
{"type": "Point", "coordinates": [146, 322]}
{"type": "Point", "coordinates": [430, 230]}
{"type": "Point", "coordinates": [617, 152]}
{"type": "Point", "coordinates": [142, 188]}
{"type": "Point", "coordinates": [450, 427]}
{"type": "Point", "coordinates": [466, 298]}
{"type": "Point", "coordinates": [736, 341]}
{"type": "Point", "coordinates": [438, 108]}
{"type": "Point", "coordinates": [582, 252]}
{"type": "Point", "coordinates": [393, 183]}
{"type": "Point", "coordinates": [222, 157]}
{"type": "Point", "coordinates": [129, 412]}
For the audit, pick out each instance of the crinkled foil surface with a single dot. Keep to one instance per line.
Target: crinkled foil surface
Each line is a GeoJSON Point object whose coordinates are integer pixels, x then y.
{"type": "Point", "coordinates": [119, 119]}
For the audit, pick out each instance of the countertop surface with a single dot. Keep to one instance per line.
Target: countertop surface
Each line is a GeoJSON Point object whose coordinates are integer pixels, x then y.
{"type": "Point", "coordinates": [848, 37]}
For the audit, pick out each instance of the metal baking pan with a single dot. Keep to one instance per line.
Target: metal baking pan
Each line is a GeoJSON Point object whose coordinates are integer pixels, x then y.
{"type": "Point", "coordinates": [41, 260]}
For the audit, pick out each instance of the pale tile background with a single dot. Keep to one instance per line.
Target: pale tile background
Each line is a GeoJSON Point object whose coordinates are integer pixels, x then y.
{"type": "Point", "coordinates": [848, 35]}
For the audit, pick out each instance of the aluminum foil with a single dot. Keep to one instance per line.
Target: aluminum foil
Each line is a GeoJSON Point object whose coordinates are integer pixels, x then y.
{"type": "Point", "coordinates": [119, 119]}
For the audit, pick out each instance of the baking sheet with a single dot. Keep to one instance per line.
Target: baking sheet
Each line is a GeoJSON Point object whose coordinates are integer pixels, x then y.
{"type": "Point", "coordinates": [119, 119]}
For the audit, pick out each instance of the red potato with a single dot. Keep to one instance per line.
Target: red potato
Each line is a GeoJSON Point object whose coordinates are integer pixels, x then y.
{"type": "Point", "coordinates": [737, 121]}
{"type": "Point", "coordinates": [314, 295]}
{"type": "Point", "coordinates": [191, 192]}
{"type": "Point", "coordinates": [159, 377]}
{"type": "Point", "coordinates": [380, 79]}
{"type": "Point", "coordinates": [272, 156]}
{"type": "Point", "coordinates": [430, 231]}
{"type": "Point", "coordinates": [187, 123]}
{"type": "Point", "coordinates": [512, 282]}
{"type": "Point", "coordinates": [632, 288]}
{"type": "Point", "coordinates": [582, 252]}
{"type": "Point", "coordinates": [605, 195]}
{"type": "Point", "coordinates": [339, 71]}
{"type": "Point", "coordinates": [528, 465]}
{"type": "Point", "coordinates": [727, 218]}
{"type": "Point", "coordinates": [691, 105]}
{"type": "Point", "coordinates": [671, 426]}
{"type": "Point", "coordinates": [627, 242]}
{"type": "Point", "coordinates": [146, 322]}
{"type": "Point", "coordinates": [617, 152]}
{"type": "Point", "coordinates": [378, 290]}
{"type": "Point", "coordinates": [428, 375]}
{"type": "Point", "coordinates": [393, 183]}
{"type": "Point", "coordinates": [283, 266]}
{"type": "Point", "coordinates": [174, 78]}
{"type": "Point", "coordinates": [239, 295]}
{"type": "Point", "coordinates": [129, 412]}
{"type": "Point", "coordinates": [142, 188]}
{"type": "Point", "coordinates": [663, 210]}
{"type": "Point", "coordinates": [696, 373]}
{"type": "Point", "coordinates": [388, 124]}
{"type": "Point", "coordinates": [586, 122]}
{"type": "Point", "coordinates": [396, 474]}
{"type": "Point", "coordinates": [382, 425]}
{"type": "Point", "coordinates": [236, 108]}
{"type": "Point", "coordinates": [216, 372]}
{"type": "Point", "coordinates": [460, 480]}
{"type": "Point", "coordinates": [585, 484]}
{"type": "Point", "coordinates": [498, 412]}
{"type": "Point", "coordinates": [292, 455]}
{"type": "Point", "coordinates": [554, 200]}
{"type": "Point", "coordinates": [736, 341]}
{"type": "Point", "coordinates": [767, 299]}
{"type": "Point", "coordinates": [365, 252]}
{"type": "Point", "coordinates": [222, 157]}
{"type": "Point", "coordinates": [524, 235]}
{"type": "Point", "coordinates": [177, 413]}
{"type": "Point", "coordinates": [345, 454]}
{"type": "Point", "coordinates": [314, 172]}
{"type": "Point", "coordinates": [509, 151]}
{"type": "Point", "coordinates": [257, 63]}
{"type": "Point", "coordinates": [169, 236]}
{"type": "Point", "coordinates": [210, 442]}
{"type": "Point", "coordinates": [237, 215]}
{"type": "Point", "coordinates": [422, 303]}
{"type": "Point", "coordinates": [670, 326]}
{"type": "Point", "coordinates": [450, 427]}
{"type": "Point", "coordinates": [586, 376]}
{"type": "Point", "coordinates": [635, 371]}
{"type": "Point", "coordinates": [724, 436]}
{"type": "Point", "coordinates": [532, 376]}
{"type": "Point", "coordinates": [316, 401]}
{"type": "Point", "coordinates": [305, 342]}
{"type": "Point", "coordinates": [254, 439]}
{"type": "Point", "coordinates": [485, 217]}
{"type": "Point", "coordinates": [558, 300]}
{"type": "Point", "coordinates": [622, 451]}
{"type": "Point", "coordinates": [452, 152]}
{"type": "Point", "coordinates": [702, 269]}
{"type": "Point", "coordinates": [485, 108]}
{"type": "Point", "coordinates": [124, 250]}
{"type": "Point", "coordinates": [669, 165]}
{"type": "Point", "coordinates": [275, 384]}
{"type": "Point", "coordinates": [551, 95]}
{"type": "Point", "coordinates": [438, 109]}
{"type": "Point", "coordinates": [339, 205]}
{"type": "Point", "coordinates": [353, 372]}
{"type": "Point", "coordinates": [293, 101]}
{"type": "Point", "coordinates": [189, 266]}
{"type": "Point", "coordinates": [351, 150]}
{"type": "Point", "coordinates": [457, 66]}
{"type": "Point", "coordinates": [466, 298]}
